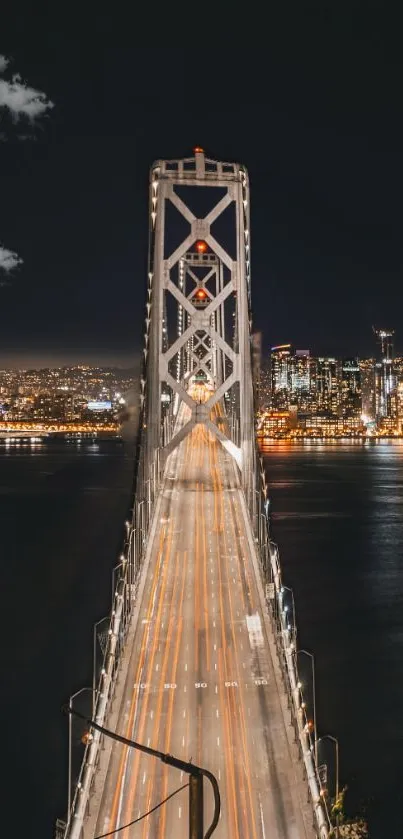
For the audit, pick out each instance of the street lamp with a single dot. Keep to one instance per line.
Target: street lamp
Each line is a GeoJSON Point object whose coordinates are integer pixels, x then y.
{"type": "Point", "coordinates": [120, 565]}
{"type": "Point", "coordinates": [94, 659]}
{"type": "Point", "coordinates": [70, 758]}
{"type": "Point", "coordinates": [311, 657]}
{"type": "Point", "coordinates": [284, 609]}
{"type": "Point", "coordinates": [335, 741]}
{"type": "Point", "coordinates": [336, 744]}
{"type": "Point", "coordinates": [196, 773]}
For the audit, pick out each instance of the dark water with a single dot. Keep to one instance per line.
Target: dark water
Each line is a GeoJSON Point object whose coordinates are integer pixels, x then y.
{"type": "Point", "coordinates": [338, 519]}
{"type": "Point", "coordinates": [62, 510]}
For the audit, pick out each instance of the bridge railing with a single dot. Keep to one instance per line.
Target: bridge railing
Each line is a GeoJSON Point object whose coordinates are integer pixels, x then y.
{"type": "Point", "coordinates": [126, 577]}
{"type": "Point", "coordinates": [281, 609]}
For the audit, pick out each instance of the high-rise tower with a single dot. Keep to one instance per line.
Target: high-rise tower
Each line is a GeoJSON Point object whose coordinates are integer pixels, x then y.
{"type": "Point", "coordinates": [385, 380]}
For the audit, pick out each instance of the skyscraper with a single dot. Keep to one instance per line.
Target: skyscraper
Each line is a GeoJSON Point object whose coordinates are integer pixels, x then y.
{"type": "Point", "coordinates": [385, 379]}
{"type": "Point", "coordinates": [351, 392]}
{"type": "Point", "coordinates": [280, 367]}
{"type": "Point", "coordinates": [367, 368]}
{"type": "Point", "coordinates": [328, 394]}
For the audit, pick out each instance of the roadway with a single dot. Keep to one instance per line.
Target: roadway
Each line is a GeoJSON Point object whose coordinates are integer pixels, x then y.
{"type": "Point", "coordinates": [200, 680]}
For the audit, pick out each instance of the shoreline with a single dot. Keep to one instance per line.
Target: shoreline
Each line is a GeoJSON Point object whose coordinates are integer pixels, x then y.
{"type": "Point", "coordinates": [331, 439]}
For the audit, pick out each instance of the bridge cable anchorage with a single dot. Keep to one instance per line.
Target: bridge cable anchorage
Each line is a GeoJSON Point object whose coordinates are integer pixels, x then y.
{"type": "Point", "coordinates": [195, 785]}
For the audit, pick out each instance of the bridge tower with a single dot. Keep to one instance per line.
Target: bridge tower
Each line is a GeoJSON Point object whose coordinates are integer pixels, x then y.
{"type": "Point", "coordinates": [199, 307]}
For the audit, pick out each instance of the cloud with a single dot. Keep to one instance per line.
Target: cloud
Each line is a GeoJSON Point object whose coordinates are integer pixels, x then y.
{"type": "Point", "coordinates": [22, 100]}
{"type": "Point", "coordinates": [9, 260]}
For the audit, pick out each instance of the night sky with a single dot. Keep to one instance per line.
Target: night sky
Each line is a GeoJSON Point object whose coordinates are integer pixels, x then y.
{"type": "Point", "coordinates": [315, 113]}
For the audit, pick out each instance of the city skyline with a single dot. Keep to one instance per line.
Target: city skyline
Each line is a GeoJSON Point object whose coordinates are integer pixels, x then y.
{"type": "Point", "coordinates": [304, 394]}
{"type": "Point", "coordinates": [25, 360]}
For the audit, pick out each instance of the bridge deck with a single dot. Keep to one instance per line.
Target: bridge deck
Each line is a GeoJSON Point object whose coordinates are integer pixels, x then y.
{"type": "Point", "coordinates": [200, 679]}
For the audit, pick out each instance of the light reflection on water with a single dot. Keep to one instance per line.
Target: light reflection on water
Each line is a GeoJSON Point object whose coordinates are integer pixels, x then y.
{"type": "Point", "coordinates": [337, 516]}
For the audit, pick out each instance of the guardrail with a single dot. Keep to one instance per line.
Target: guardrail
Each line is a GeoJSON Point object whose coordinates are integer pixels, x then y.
{"type": "Point", "coordinates": [127, 575]}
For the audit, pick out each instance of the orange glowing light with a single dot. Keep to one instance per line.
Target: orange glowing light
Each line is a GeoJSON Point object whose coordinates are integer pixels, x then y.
{"type": "Point", "coordinates": [201, 246]}
{"type": "Point", "coordinates": [198, 150]}
{"type": "Point", "coordinates": [201, 293]}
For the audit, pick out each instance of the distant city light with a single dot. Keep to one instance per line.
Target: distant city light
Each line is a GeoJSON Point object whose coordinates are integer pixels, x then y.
{"type": "Point", "coordinates": [99, 406]}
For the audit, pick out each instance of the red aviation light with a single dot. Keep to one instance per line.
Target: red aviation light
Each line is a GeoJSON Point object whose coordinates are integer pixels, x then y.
{"type": "Point", "coordinates": [198, 150]}
{"type": "Point", "coordinates": [201, 294]}
{"type": "Point", "coordinates": [201, 246]}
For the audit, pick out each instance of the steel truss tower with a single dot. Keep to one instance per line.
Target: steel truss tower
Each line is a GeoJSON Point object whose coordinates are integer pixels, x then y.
{"type": "Point", "coordinates": [199, 293]}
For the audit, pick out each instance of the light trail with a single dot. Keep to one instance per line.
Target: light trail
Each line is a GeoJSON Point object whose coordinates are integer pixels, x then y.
{"type": "Point", "coordinates": [193, 685]}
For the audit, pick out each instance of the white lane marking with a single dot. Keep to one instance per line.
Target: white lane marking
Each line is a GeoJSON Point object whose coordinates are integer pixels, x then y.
{"type": "Point", "coordinates": [148, 742]}
{"type": "Point", "coordinates": [151, 714]}
{"type": "Point", "coordinates": [183, 740]}
{"type": "Point", "coordinates": [157, 667]}
{"type": "Point", "coordinates": [180, 812]}
{"type": "Point", "coordinates": [217, 713]}
{"type": "Point", "coordinates": [144, 777]}
{"type": "Point", "coordinates": [218, 741]}
{"type": "Point", "coordinates": [215, 665]}
{"type": "Point", "coordinates": [184, 714]}
{"type": "Point", "coordinates": [262, 821]}
{"type": "Point", "coordinates": [186, 667]}
{"type": "Point", "coordinates": [123, 782]}
{"type": "Point", "coordinates": [215, 646]}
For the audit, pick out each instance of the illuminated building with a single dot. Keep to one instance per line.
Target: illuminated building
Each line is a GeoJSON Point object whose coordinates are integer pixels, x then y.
{"type": "Point", "coordinates": [328, 391]}
{"type": "Point", "coordinates": [264, 387]}
{"type": "Point", "coordinates": [290, 377]}
{"type": "Point", "coordinates": [300, 395]}
{"type": "Point", "coordinates": [351, 394]}
{"type": "Point", "coordinates": [275, 424]}
{"type": "Point", "coordinates": [367, 369]}
{"type": "Point", "coordinates": [385, 379]}
{"type": "Point", "coordinates": [281, 358]}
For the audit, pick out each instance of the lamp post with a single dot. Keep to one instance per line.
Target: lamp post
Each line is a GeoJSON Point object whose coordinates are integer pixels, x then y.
{"type": "Point", "coordinates": [285, 608]}
{"type": "Point", "coordinates": [120, 565]}
{"type": "Point", "coordinates": [257, 513]}
{"type": "Point", "coordinates": [70, 757]}
{"type": "Point", "coordinates": [128, 525]}
{"type": "Point", "coordinates": [336, 745]}
{"type": "Point", "coordinates": [305, 652]}
{"type": "Point", "coordinates": [196, 774]}
{"type": "Point", "coordinates": [140, 513]}
{"type": "Point", "coordinates": [131, 553]}
{"type": "Point", "coordinates": [94, 660]}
